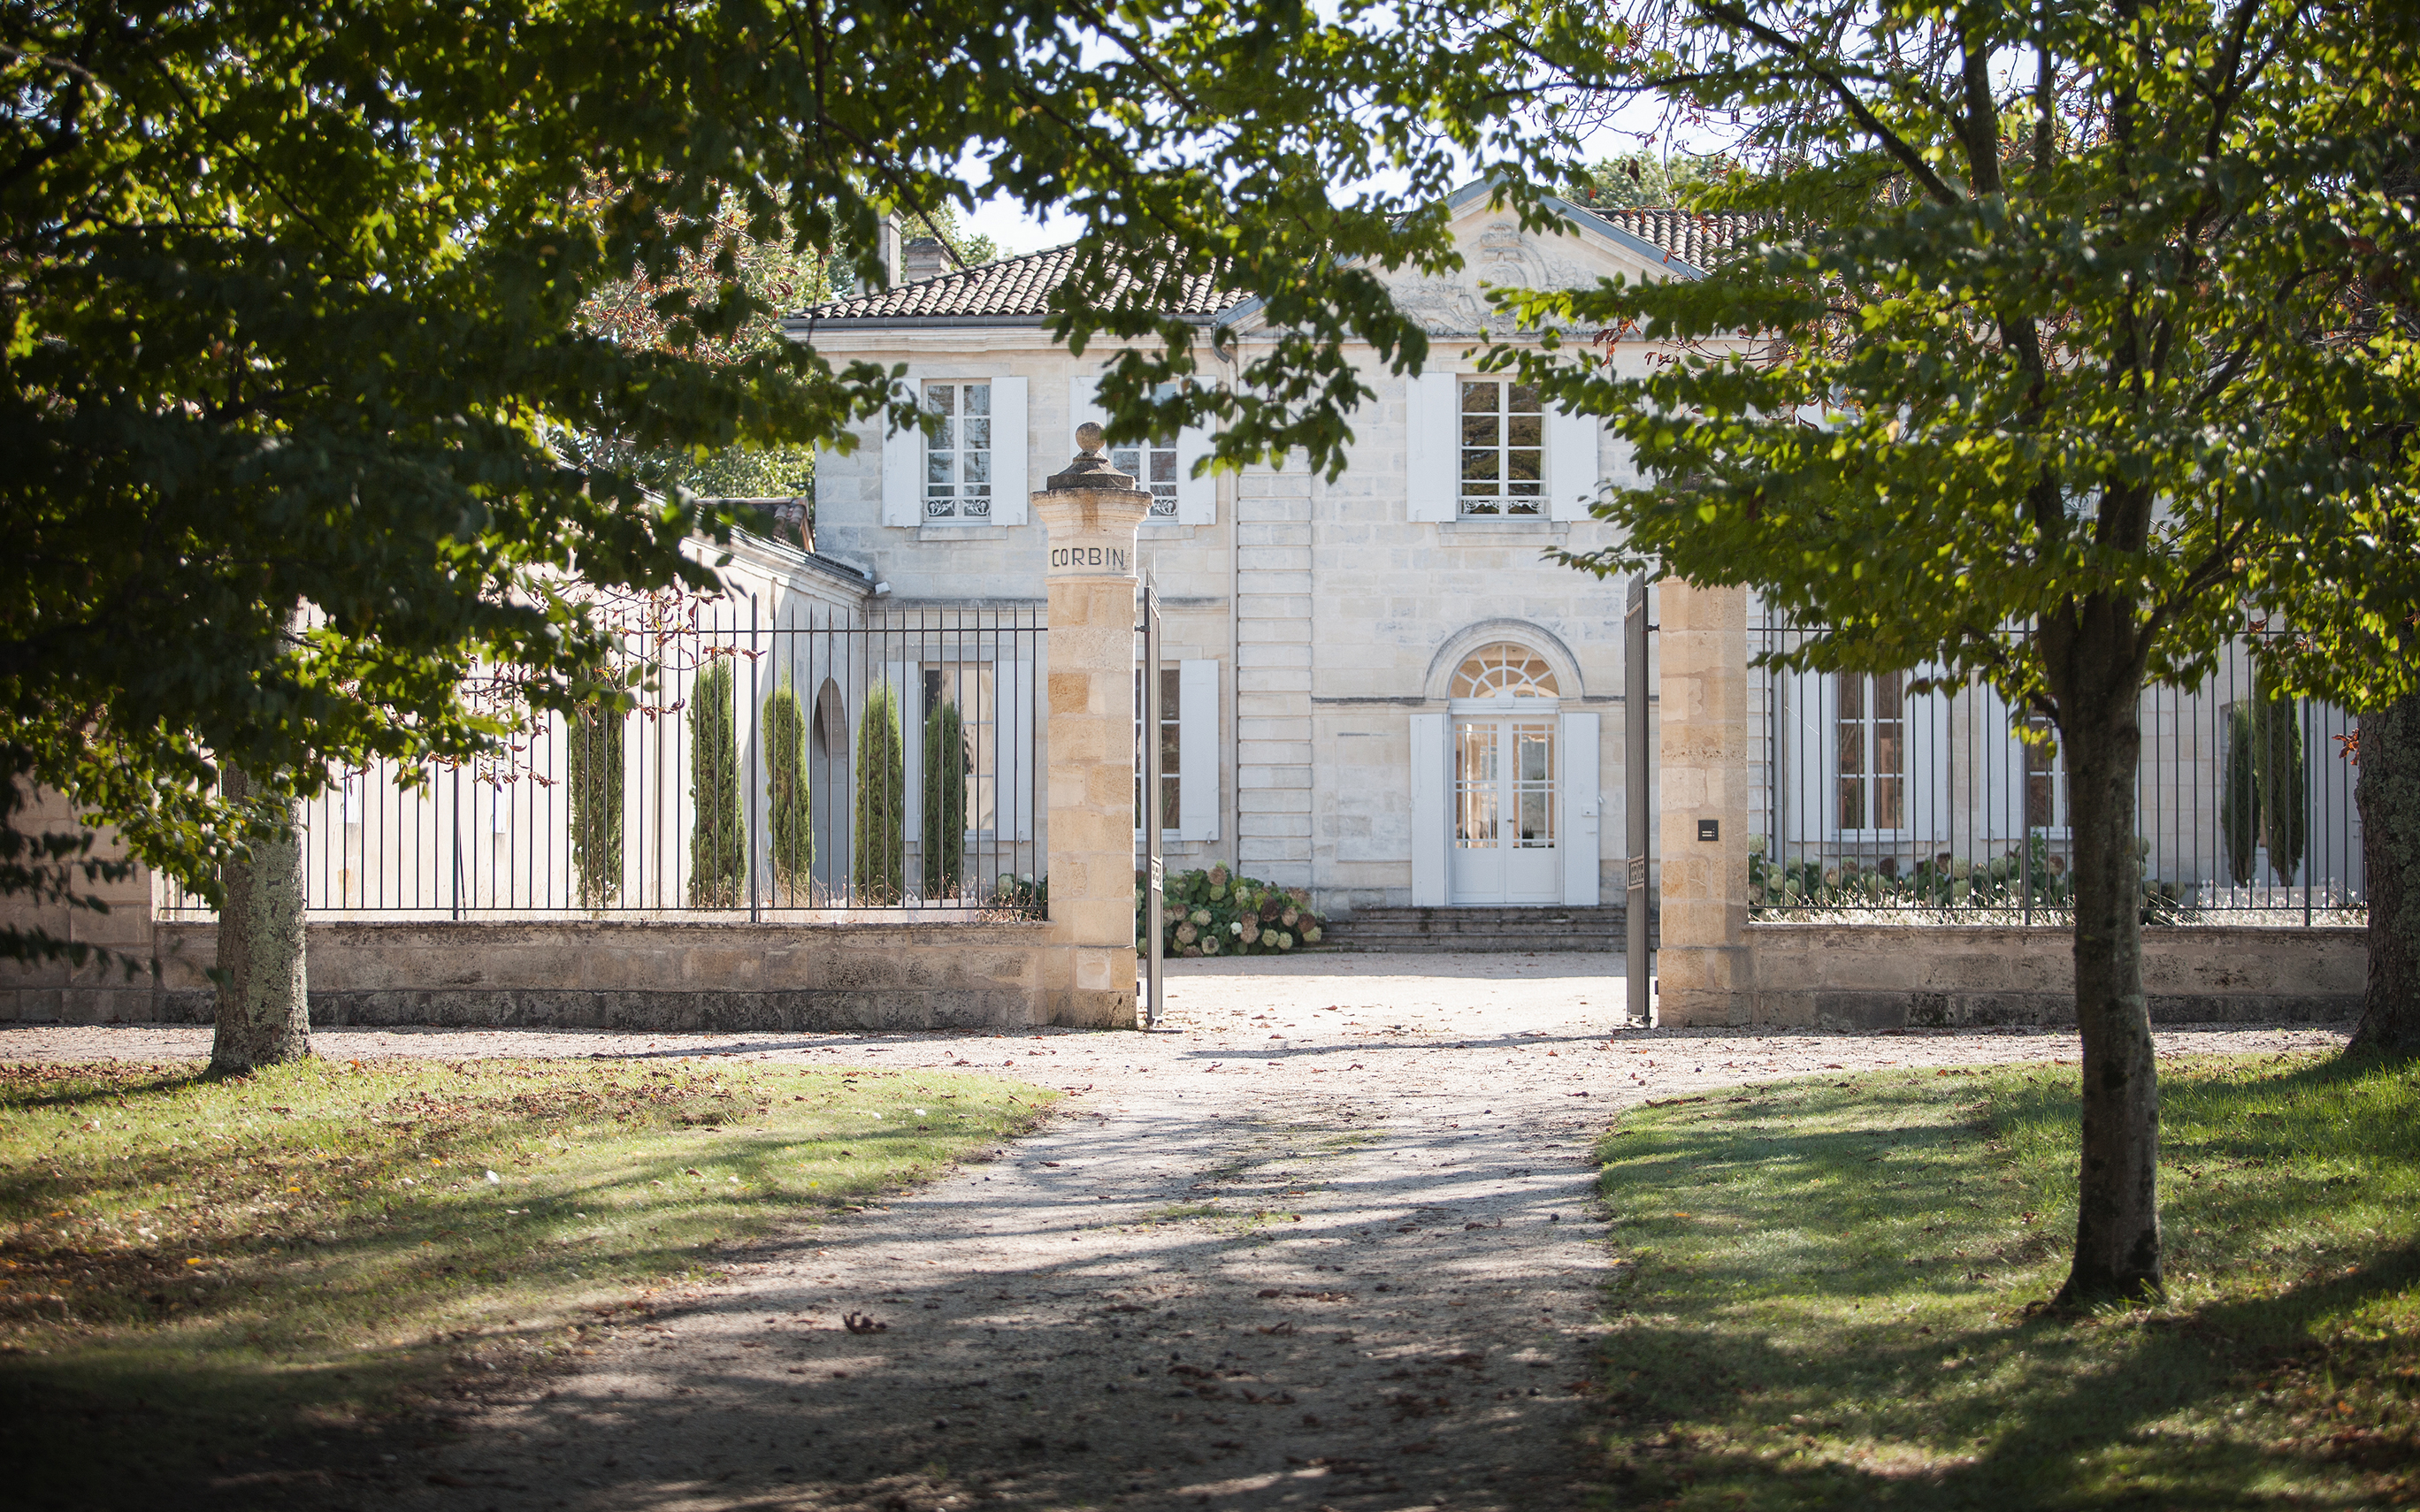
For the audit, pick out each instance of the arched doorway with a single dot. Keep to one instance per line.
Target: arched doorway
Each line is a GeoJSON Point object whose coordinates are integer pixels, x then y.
{"type": "Point", "coordinates": [1504, 719]}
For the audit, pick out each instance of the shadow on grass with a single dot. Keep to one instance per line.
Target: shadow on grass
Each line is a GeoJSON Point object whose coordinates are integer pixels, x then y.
{"type": "Point", "coordinates": [1828, 1302]}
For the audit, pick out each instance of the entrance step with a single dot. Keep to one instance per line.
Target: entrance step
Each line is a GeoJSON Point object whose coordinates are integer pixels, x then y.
{"type": "Point", "coordinates": [1482, 929]}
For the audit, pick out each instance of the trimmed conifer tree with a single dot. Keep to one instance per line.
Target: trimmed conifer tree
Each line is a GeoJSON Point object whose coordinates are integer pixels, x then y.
{"type": "Point", "coordinates": [718, 839]}
{"type": "Point", "coordinates": [878, 868]}
{"type": "Point", "coordinates": [2283, 817]}
{"type": "Point", "coordinates": [2239, 794]}
{"type": "Point", "coordinates": [945, 801]}
{"type": "Point", "coordinates": [790, 812]}
{"type": "Point", "coordinates": [595, 801]}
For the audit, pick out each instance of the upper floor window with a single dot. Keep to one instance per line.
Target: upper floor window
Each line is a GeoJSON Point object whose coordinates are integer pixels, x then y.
{"type": "Point", "coordinates": [1871, 735]}
{"type": "Point", "coordinates": [1152, 466]}
{"type": "Point", "coordinates": [1503, 449]}
{"type": "Point", "coordinates": [957, 454]}
{"type": "Point", "coordinates": [1503, 671]}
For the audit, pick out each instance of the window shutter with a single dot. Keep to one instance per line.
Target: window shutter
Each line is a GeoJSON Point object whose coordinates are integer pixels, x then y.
{"type": "Point", "coordinates": [1582, 822]}
{"type": "Point", "coordinates": [902, 471]}
{"type": "Point", "coordinates": [1432, 471]}
{"type": "Point", "coordinates": [1023, 784]}
{"type": "Point", "coordinates": [1572, 472]}
{"type": "Point", "coordinates": [1196, 744]}
{"type": "Point", "coordinates": [1197, 499]}
{"type": "Point", "coordinates": [1011, 445]}
{"type": "Point", "coordinates": [1429, 853]}
{"type": "Point", "coordinates": [906, 677]}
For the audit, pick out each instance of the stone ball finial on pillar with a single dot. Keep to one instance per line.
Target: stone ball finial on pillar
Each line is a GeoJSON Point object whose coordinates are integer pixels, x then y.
{"type": "Point", "coordinates": [1089, 514]}
{"type": "Point", "coordinates": [1087, 439]}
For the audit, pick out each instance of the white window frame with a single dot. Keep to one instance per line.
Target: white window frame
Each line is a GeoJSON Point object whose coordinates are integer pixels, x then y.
{"type": "Point", "coordinates": [959, 504]}
{"type": "Point", "coordinates": [1502, 504]}
{"type": "Point", "coordinates": [1194, 720]}
{"type": "Point", "coordinates": [1839, 718]}
{"type": "Point", "coordinates": [904, 495]}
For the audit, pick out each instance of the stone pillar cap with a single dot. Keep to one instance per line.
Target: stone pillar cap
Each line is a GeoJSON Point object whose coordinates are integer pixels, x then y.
{"type": "Point", "coordinates": [1090, 469]}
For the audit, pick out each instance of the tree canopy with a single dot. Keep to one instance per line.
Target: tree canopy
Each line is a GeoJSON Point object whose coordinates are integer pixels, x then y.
{"type": "Point", "coordinates": [297, 360]}
{"type": "Point", "coordinates": [2091, 318]}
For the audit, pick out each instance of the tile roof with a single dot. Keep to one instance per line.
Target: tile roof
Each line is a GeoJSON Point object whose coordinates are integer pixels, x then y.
{"type": "Point", "coordinates": [1011, 286]}
{"type": "Point", "coordinates": [1697, 239]}
{"type": "Point", "coordinates": [1020, 287]}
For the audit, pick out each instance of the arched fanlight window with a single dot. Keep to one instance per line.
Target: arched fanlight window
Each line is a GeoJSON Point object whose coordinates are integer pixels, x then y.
{"type": "Point", "coordinates": [1504, 671]}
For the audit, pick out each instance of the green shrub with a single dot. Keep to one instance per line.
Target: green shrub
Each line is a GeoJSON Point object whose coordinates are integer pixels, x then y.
{"type": "Point", "coordinates": [945, 801]}
{"type": "Point", "coordinates": [717, 839]}
{"type": "Point", "coordinates": [878, 868]}
{"type": "Point", "coordinates": [2239, 796]}
{"type": "Point", "coordinates": [790, 817]}
{"type": "Point", "coordinates": [596, 800]}
{"type": "Point", "coordinates": [1215, 913]}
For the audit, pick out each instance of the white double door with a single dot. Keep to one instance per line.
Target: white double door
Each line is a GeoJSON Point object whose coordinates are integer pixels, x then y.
{"type": "Point", "coordinates": [1505, 806]}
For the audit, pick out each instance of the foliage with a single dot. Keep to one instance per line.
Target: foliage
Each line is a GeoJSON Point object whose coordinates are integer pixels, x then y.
{"type": "Point", "coordinates": [1021, 897]}
{"type": "Point", "coordinates": [717, 836]}
{"type": "Point", "coordinates": [2032, 879]}
{"type": "Point", "coordinates": [1821, 1296]}
{"type": "Point", "coordinates": [266, 1259]}
{"type": "Point", "coordinates": [878, 860]}
{"type": "Point", "coordinates": [2042, 318]}
{"type": "Point", "coordinates": [1214, 912]}
{"type": "Point", "coordinates": [594, 798]}
{"type": "Point", "coordinates": [308, 307]}
{"type": "Point", "coordinates": [790, 809]}
{"type": "Point", "coordinates": [1644, 181]}
{"type": "Point", "coordinates": [946, 763]}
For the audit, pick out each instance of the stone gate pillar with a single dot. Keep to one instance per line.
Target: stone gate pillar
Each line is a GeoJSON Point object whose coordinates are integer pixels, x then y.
{"type": "Point", "coordinates": [1090, 513]}
{"type": "Point", "coordinates": [1703, 968]}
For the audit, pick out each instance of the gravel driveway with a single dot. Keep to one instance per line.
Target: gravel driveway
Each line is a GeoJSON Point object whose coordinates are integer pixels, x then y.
{"type": "Point", "coordinates": [1325, 1240]}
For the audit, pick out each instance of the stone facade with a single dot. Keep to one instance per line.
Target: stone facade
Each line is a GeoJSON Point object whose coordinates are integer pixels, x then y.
{"type": "Point", "coordinates": [1332, 611]}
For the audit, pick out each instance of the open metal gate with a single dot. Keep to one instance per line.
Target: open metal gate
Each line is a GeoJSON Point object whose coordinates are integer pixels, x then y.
{"type": "Point", "coordinates": [1155, 996]}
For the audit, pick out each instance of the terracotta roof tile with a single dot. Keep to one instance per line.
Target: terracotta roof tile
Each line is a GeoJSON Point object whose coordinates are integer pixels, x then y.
{"type": "Point", "coordinates": [1011, 286]}
{"type": "Point", "coordinates": [1697, 239]}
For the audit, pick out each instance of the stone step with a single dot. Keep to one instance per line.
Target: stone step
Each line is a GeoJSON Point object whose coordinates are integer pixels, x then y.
{"type": "Point", "coordinates": [1481, 928]}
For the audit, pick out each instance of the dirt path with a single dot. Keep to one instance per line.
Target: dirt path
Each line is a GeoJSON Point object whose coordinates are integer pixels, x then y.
{"type": "Point", "coordinates": [1327, 1240]}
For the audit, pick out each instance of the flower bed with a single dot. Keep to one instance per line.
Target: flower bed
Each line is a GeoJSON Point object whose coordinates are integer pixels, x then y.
{"type": "Point", "coordinates": [1217, 912]}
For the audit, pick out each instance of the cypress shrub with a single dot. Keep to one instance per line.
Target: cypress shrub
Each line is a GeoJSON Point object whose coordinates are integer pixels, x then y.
{"type": "Point", "coordinates": [595, 801]}
{"type": "Point", "coordinates": [2239, 794]}
{"type": "Point", "coordinates": [878, 870]}
{"type": "Point", "coordinates": [789, 815]}
{"type": "Point", "coordinates": [718, 840]}
{"type": "Point", "coordinates": [2283, 820]}
{"type": "Point", "coordinates": [945, 801]}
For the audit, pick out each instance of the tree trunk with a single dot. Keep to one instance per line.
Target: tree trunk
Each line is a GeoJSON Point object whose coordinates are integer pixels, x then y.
{"type": "Point", "coordinates": [2118, 1206]}
{"type": "Point", "coordinates": [264, 1015]}
{"type": "Point", "coordinates": [2389, 794]}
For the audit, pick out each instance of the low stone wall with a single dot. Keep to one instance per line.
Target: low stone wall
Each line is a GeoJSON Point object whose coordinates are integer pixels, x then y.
{"type": "Point", "coordinates": [1889, 977]}
{"type": "Point", "coordinates": [625, 976]}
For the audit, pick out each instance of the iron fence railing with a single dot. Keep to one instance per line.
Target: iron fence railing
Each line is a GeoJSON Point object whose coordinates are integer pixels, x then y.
{"type": "Point", "coordinates": [797, 762]}
{"type": "Point", "coordinates": [1879, 796]}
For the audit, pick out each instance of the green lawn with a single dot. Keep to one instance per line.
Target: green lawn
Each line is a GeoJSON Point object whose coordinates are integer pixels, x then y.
{"type": "Point", "coordinates": [1828, 1296]}
{"type": "Point", "coordinates": [218, 1266]}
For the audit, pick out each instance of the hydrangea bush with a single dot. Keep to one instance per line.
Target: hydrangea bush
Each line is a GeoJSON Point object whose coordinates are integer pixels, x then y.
{"type": "Point", "coordinates": [1218, 913]}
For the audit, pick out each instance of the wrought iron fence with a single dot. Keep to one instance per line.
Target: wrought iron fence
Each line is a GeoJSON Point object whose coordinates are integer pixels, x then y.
{"type": "Point", "coordinates": [799, 762]}
{"type": "Point", "coordinates": [1880, 796]}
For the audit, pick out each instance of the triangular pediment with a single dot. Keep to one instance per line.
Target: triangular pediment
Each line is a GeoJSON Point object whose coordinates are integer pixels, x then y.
{"type": "Point", "coordinates": [1498, 254]}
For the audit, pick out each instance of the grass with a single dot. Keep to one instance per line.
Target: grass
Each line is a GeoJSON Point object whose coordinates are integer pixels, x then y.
{"type": "Point", "coordinates": [219, 1264]}
{"type": "Point", "coordinates": [1828, 1295]}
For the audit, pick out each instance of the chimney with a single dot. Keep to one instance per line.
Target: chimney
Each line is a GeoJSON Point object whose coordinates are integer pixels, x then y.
{"type": "Point", "coordinates": [922, 257]}
{"type": "Point", "coordinates": [886, 253]}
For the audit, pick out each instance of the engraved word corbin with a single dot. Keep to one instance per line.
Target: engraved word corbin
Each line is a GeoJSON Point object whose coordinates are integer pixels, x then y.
{"type": "Point", "coordinates": [1114, 558]}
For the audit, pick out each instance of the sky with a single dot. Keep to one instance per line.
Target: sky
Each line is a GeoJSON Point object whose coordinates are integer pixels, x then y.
{"type": "Point", "coordinates": [1016, 232]}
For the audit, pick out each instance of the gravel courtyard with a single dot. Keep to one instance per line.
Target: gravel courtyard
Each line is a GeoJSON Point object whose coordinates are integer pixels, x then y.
{"type": "Point", "coordinates": [1327, 1239]}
